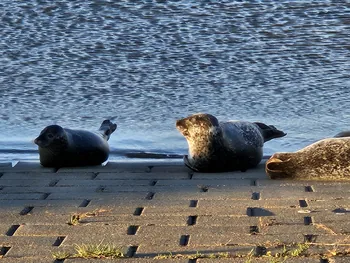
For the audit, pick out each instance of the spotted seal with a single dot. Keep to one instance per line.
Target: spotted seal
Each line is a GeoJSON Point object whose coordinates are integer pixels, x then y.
{"type": "Point", "coordinates": [224, 146]}
{"type": "Point", "coordinates": [62, 147]}
{"type": "Point", "coordinates": [327, 159]}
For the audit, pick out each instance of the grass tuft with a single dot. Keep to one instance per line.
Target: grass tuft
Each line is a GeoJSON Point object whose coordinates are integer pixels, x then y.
{"type": "Point", "coordinates": [74, 219]}
{"type": "Point", "coordinates": [61, 255]}
{"type": "Point", "coordinates": [98, 251]}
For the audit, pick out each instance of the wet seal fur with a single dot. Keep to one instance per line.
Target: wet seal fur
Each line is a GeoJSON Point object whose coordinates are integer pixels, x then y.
{"type": "Point", "coordinates": [327, 159]}
{"type": "Point", "coordinates": [61, 147]}
{"type": "Point", "coordinates": [224, 146]}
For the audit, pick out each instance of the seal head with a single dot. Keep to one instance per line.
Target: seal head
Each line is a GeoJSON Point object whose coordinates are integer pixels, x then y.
{"type": "Point", "coordinates": [53, 137]}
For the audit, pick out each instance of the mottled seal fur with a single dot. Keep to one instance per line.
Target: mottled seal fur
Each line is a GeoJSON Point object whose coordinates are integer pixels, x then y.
{"type": "Point", "coordinates": [327, 159]}
{"type": "Point", "coordinates": [224, 146]}
{"type": "Point", "coordinates": [61, 147]}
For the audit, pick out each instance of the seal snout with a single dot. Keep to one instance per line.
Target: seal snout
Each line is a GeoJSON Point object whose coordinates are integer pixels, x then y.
{"type": "Point", "coordinates": [38, 141]}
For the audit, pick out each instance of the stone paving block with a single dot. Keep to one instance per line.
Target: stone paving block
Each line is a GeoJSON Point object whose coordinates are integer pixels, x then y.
{"type": "Point", "coordinates": [229, 176]}
{"type": "Point", "coordinates": [99, 192]}
{"type": "Point", "coordinates": [330, 217]}
{"type": "Point", "coordinates": [226, 220]}
{"type": "Point", "coordinates": [255, 173]}
{"type": "Point", "coordinates": [332, 187]}
{"type": "Point", "coordinates": [36, 219]}
{"type": "Point", "coordinates": [207, 182]}
{"type": "Point", "coordinates": [234, 239]}
{"type": "Point", "coordinates": [57, 176]}
{"type": "Point", "coordinates": [47, 189]}
{"type": "Point", "coordinates": [156, 231]}
{"type": "Point", "coordinates": [20, 196]}
{"type": "Point", "coordinates": [141, 176]}
{"type": "Point", "coordinates": [98, 236]}
{"type": "Point", "coordinates": [127, 260]}
{"type": "Point", "coordinates": [69, 230]}
{"type": "Point", "coordinates": [144, 220]}
{"type": "Point", "coordinates": [31, 167]}
{"type": "Point", "coordinates": [338, 228]}
{"type": "Point", "coordinates": [27, 241]}
{"type": "Point", "coordinates": [24, 203]}
{"type": "Point", "coordinates": [292, 229]}
{"type": "Point", "coordinates": [340, 259]}
{"type": "Point", "coordinates": [328, 203]}
{"type": "Point", "coordinates": [152, 251]}
{"type": "Point", "coordinates": [197, 194]}
{"type": "Point", "coordinates": [274, 193]}
{"type": "Point", "coordinates": [114, 167]}
{"type": "Point", "coordinates": [25, 182]}
{"type": "Point", "coordinates": [149, 188]}
{"type": "Point", "coordinates": [4, 227]}
{"type": "Point", "coordinates": [181, 168]}
{"type": "Point", "coordinates": [108, 197]}
{"type": "Point", "coordinates": [35, 259]}
{"type": "Point", "coordinates": [115, 182]}
{"type": "Point", "coordinates": [282, 183]}
{"type": "Point", "coordinates": [19, 251]}
{"type": "Point", "coordinates": [5, 165]}
{"type": "Point", "coordinates": [172, 210]}
{"type": "Point", "coordinates": [249, 203]}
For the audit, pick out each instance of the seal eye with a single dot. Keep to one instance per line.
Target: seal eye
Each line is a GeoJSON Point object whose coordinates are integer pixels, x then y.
{"type": "Point", "coordinates": [50, 136]}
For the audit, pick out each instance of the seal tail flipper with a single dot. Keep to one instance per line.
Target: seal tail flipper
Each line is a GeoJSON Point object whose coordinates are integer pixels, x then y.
{"type": "Point", "coordinates": [107, 128]}
{"type": "Point", "coordinates": [278, 166]}
{"type": "Point", "coordinates": [269, 131]}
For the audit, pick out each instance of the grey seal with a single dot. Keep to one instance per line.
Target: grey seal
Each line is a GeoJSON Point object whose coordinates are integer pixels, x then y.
{"type": "Point", "coordinates": [224, 146]}
{"type": "Point", "coordinates": [327, 159]}
{"type": "Point", "coordinates": [62, 147]}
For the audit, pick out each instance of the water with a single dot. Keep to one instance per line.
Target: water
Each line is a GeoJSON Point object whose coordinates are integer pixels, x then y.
{"type": "Point", "coordinates": [145, 64]}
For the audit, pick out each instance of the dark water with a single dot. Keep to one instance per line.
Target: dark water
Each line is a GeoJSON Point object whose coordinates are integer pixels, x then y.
{"type": "Point", "coordinates": [146, 63]}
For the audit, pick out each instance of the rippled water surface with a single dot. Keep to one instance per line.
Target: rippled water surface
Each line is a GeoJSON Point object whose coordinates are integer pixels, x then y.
{"type": "Point", "coordinates": [146, 63]}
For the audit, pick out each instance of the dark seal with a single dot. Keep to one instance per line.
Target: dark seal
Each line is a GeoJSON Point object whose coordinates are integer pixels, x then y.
{"type": "Point", "coordinates": [342, 134]}
{"type": "Point", "coordinates": [61, 147]}
{"type": "Point", "coordinates": [224, 146]}
{"type": "Point", "coordinates": [327, 159]}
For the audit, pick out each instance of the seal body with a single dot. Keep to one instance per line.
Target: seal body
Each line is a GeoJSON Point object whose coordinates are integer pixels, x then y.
{"type": "Point", "coordinates": [224, 146]}
{"type": "Point", "coordinates": [61, 147]}
{"type": "Point", "coordinates": [327, 159]}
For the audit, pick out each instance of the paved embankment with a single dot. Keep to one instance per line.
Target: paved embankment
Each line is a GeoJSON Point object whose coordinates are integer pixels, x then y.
{"type": "Point", "coordinates": [152, 209]}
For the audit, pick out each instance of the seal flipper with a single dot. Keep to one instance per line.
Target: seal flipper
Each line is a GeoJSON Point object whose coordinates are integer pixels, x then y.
{"type": "Point", "coordinates": [107, 128]}
{"type": "Point", "coordinates": [187, 163]}
{"type": "Point", "coordinates": [269, 131]}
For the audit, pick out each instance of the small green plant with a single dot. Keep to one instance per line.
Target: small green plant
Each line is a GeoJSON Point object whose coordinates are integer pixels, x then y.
{"type": "Point", "coordinates": [250, 256]}
{"type": "Point", "coordinates": [61, 255]}
{"type": "Point", "coordinates": [301, 248]}
{"type": "Point", "coordinates": [196, 256]}
{"type": "Point", "coordinates": [74, 219]}
{"type": "Point", "coordinates": [98, 251]}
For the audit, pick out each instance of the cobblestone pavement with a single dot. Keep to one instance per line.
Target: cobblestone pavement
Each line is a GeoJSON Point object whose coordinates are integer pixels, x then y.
{"type": "Point", "coordinates": [164, 210]}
